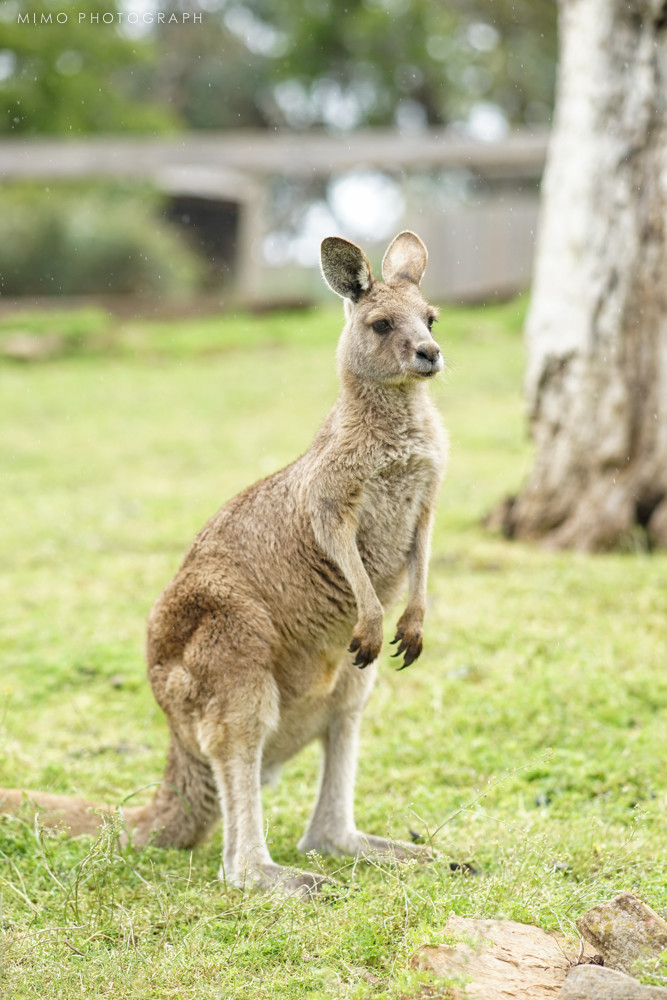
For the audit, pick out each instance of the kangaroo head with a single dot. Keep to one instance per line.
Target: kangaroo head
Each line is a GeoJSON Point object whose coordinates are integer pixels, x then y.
{"type": "Point", "coordinates": [387, 337]}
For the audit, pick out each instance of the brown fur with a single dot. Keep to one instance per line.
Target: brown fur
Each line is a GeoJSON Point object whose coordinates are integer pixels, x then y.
{"type": "Point", "coordinates": [247, 645]}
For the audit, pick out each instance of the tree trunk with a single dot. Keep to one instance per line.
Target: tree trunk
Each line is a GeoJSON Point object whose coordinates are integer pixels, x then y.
{"type": "Point", "coordinates": [597, 327]}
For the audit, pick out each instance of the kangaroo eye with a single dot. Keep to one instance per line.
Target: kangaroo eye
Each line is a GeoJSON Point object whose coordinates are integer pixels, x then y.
{"type": "Point", "coordinates": [381, 325]}
{"type": "Point", "coordinates": [430, 321]}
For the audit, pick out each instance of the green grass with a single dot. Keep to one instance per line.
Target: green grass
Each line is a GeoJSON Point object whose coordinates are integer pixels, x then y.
{"type": "Point", "coordinates": [527, 740]}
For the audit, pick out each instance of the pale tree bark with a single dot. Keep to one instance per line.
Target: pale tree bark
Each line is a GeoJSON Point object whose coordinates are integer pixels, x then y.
{"type": "Point", "coordinates": [597, 326]}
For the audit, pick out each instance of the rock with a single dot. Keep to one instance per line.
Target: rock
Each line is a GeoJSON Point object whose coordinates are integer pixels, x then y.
{"type": "Point", "coordinates": [625, 931]}
{"type": "Point", "coordinates": [505, 960]}
{"type": "Point", "coordinates": [593, 982]}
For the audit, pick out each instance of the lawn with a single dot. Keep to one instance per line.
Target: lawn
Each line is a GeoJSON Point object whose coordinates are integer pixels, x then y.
{"type": "Point", "coordinates": [527, 741]}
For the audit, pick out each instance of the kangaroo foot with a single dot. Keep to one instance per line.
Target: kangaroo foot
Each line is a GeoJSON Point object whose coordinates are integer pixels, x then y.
{"type": "Point", "coordinates": [279, 879]}
{"type": "Point", "coordinates": [364, 845]}
{"type": "Point", "coordinates": [372, 847]}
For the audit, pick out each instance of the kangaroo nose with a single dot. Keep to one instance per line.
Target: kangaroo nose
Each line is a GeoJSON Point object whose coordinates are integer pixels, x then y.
{"type": "Point", "coordinates": [429, 352]}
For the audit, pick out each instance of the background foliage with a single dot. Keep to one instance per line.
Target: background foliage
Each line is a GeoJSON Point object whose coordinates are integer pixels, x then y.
{"type": "Point", "coordinates": [85, 239]}
{"type": "Point", "coordinates": [74, 77]}
{"type": "Point", "coordinates": [480, 66]}
{"type": "Point", "coordinates": [273, 62]}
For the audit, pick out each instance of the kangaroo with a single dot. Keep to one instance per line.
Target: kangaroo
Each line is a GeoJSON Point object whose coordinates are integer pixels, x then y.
{"type": "Point", "coordinates": [249, 646]}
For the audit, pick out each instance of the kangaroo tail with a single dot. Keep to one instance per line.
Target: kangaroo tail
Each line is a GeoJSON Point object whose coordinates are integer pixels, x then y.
{"type": "Point", "coordinates": [183, 811]}
{"type": "Point", "coordinates": [73, 814]}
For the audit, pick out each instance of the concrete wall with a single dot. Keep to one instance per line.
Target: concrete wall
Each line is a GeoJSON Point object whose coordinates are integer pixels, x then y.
{"type": "Point", "coordinates": [481, 244]}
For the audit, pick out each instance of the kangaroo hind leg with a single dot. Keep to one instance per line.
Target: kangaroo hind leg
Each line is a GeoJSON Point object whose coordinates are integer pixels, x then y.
{"type": "Point", "coordinates": [332, 828]}
{"type": "Point", "coordinates": [232, 734]}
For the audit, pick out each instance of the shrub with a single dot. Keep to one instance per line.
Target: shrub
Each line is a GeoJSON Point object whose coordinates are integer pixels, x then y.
{"type": "Point", "coordinates": [66, 240]}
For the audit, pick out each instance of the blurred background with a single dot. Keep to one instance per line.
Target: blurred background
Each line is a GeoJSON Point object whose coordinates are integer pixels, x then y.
{"type": "Point", "coordinates": [154, 151]}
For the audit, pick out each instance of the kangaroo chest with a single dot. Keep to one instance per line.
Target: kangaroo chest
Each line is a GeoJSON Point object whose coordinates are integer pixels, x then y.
{"type": "Point", "coordinates": [393, 501]}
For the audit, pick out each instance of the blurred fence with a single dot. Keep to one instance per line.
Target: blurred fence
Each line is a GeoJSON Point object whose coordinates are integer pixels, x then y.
{"type": "Point", "coordinates": [475, 204]}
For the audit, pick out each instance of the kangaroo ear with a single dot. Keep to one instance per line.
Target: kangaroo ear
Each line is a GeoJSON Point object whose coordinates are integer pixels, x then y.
{"type": "Point", "coordinates": [405, 259]}
{"type": "Point", "coordinates": [345, 268]}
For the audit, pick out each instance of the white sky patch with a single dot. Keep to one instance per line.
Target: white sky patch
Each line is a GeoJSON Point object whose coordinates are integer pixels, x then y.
{"type": "Point", "coordinates": [293, 101]}
{"type": "Point", "coordinates": [7, 64]}
{"type": "Point", "coordinates": [486, 122]}
{"type": "Point", "coordinates": [337, 108]}
{"type": "Point", "coordinates": [257, 36]}
{"type": "Point", "coordinates": [139, 28]}
{"type": "Point", "coordinates": [483, 37]}
{"type": "Point", "coordinates": [325, 101]}
{"type": "Point", "coordinates": [303, 248]}
{"type": "Point", "coordinates": [366, 203]}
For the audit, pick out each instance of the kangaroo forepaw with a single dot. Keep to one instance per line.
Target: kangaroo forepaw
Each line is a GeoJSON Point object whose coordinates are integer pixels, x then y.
{"type": "Point", "coordinates": [411, 643]}
{"type": "Point", "coordinates": [367, 650]}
